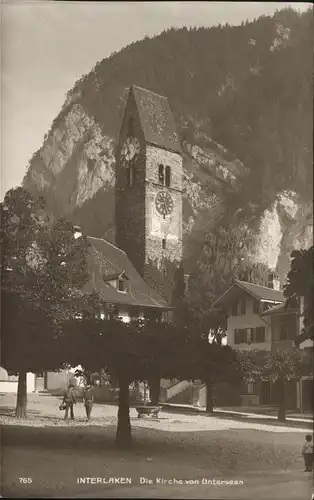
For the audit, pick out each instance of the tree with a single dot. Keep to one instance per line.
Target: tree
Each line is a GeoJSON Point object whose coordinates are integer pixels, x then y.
{"type": "Point", "coordinates": [177, 317]}
{"type": "Point", "coordinates": [29, 343]}
{"type": "Point", "coordinates": [300, 287]}
{"type": "Point", "coordinates": [278, 366]}
{"type": "Point", "coordinates": [43, 269]}
{"type": "Point", "coordinates": [105, 344]}
{"type": "Point", "coordinates": [210, 362]}
{"type": "Point", "coordinates": [182, 350]}
{"type": "Point", "coordinates": [225, 256]}
{"type": "Point", "coordinates": [141, 350]}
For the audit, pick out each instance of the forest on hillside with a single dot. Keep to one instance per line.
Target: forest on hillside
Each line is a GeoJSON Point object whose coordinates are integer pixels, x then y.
{"type": "Point", "coordinates": [247, 87]}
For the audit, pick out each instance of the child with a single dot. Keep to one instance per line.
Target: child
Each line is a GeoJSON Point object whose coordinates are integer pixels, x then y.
{"type": "Point", "coordinates": [88, 400]}
{"type": "Point", "coordinates": [307, 452]}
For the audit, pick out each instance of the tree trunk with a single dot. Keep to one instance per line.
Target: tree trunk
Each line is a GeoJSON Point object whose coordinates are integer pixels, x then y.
{"type": "Point", "coordinates": [209, 396]}
{"type": "Point", "coordinates": [124, 435]}
{"type": "Point", "coordinates": [154, 386]}
{"type": "Point", "coordinates": [282, 400]}
{"type": "Point", "coordinates": [21, 403]}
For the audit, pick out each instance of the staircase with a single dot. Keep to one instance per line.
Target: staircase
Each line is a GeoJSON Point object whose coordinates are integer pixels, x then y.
{"type": "Point", "coordinates": [178, 389]}
{"type": "Point", "coordinates": [182, 392]}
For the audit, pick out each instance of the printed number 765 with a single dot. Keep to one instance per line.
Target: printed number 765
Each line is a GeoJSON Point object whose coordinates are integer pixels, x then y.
{"type": "Point", "coordinates": [26, 480]}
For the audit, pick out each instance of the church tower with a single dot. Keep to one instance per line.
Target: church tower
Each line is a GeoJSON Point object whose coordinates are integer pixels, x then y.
{"type": "Point", "coordinates": [149, 180]}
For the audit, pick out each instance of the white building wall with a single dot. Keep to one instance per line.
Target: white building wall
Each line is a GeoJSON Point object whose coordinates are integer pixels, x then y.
{"type": "Point", "coordinates": [11, 383]}
{"type": "Point", "coordinates": [30, 382]}
{"type": "Point", "coordinates": [123, 313]}
{"type": "Point", "coordinates": [58, 380]}
{"type": "Point", "coordinates": [248, 320]}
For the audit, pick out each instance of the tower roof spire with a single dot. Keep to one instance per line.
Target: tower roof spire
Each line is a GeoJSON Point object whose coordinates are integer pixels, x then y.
{"type": "Point", "coordinates": [156, 119]}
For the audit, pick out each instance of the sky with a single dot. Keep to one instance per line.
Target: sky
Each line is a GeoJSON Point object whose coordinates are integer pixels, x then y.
{"type": "Point", "coordinates": [47, 46]}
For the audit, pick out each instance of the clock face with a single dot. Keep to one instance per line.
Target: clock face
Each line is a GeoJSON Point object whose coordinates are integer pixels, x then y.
{"type": "Point", "coordinates": [164, 203]}
{"type": "Point", "coordinates": [130, 149]}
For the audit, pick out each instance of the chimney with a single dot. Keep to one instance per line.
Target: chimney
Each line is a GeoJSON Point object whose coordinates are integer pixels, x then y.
{"type": "Point", "coordinates": [273, 281]}
{"type": "Point", "coordinates": [77, 232]}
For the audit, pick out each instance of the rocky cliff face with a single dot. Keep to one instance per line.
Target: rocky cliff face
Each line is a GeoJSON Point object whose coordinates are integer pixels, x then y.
{"type": "Point", "coordinates": [242, 96]}
{"type": "Point", "coordinates": [284, 226]}
{"type": "Point", "coordinates": [75, 171]}
{"type": "Point", "coordinates": [76, 160]}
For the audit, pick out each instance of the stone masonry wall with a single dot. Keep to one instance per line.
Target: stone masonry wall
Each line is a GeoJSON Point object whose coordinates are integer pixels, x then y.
{"type": "Point", "coordinates": [161, 263]}
{"type": "Point", "coordinates": [140, 229]}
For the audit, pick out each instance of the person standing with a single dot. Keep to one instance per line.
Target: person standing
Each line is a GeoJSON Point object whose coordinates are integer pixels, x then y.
{"type": "Point", "coordinates": [307, 452]}
{"type": "Point", "coordinates": [69, 400]}
{"type": "Point", "coordinates": [88, 400]}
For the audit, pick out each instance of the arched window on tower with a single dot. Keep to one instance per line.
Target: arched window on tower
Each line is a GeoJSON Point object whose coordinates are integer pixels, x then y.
{"type": "Point", "coordinates": [168, 176]}
{"type": "Point", "coordinates": [161, 175]}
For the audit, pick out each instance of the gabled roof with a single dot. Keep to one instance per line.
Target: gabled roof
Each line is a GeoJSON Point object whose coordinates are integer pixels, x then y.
{"type": "Point", "coordinates": [105, 261]}
{"type": "Point", "coordinates": [280, 309]}
{"type": "Point", "coordinates": [259, 292]}
{"type": "Point", "coordinates": [156, 119]}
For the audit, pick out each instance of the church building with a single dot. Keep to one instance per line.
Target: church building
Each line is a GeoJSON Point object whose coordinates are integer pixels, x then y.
{"type": "Point", "coordinates": [149, 178]}
{"type": "Point", "coordinates": [138, 277]}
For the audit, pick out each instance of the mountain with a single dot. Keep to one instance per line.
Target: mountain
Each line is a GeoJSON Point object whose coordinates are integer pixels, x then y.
{"type": "Point", "coordinates": [242, 100]}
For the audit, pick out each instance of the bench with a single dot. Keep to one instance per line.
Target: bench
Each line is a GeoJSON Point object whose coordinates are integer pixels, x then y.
{"type": "Point", "coordinates": [148, 411]}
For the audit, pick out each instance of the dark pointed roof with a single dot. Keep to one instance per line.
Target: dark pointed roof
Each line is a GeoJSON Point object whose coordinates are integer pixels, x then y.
{"type": "Point", "coordinates": [105, 262]}
{"type": "Point", "coordinates": [156, 119]}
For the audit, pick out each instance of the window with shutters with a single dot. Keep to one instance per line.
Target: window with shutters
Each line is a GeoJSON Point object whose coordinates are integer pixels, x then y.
{"type": "Point", "coordinates": [259, 334]}
{"type": "Point", "coordinates": [243, 307]}
{"type": "Point", "coordinates": [121, 285]}
{"type": "Point", "coordinates": [240, 336]}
